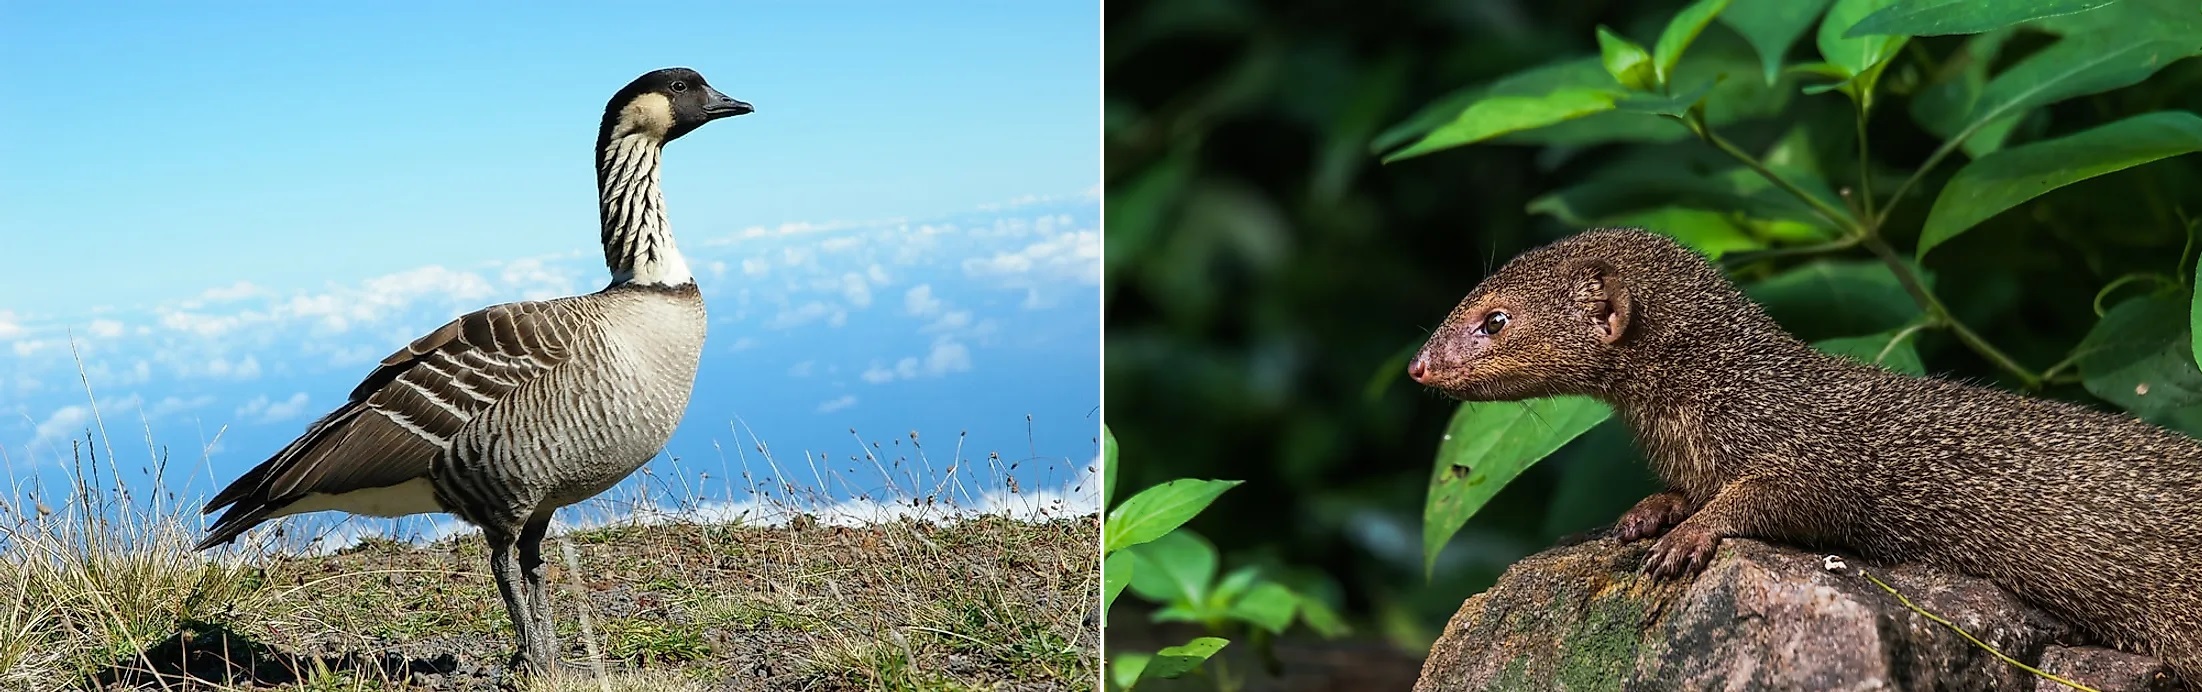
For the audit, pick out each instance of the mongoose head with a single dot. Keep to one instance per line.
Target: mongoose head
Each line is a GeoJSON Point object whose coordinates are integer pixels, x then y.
{"type": "Point", "coordinates": [665, 104]}
{"type": "Point", "coordinates": [1560, 319]}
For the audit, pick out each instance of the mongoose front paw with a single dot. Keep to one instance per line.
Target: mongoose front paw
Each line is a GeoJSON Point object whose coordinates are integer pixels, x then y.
{"type": "Point", "coordinates": [1650, 517]}
{"type": "Point", "coordinates": [1683, 552]}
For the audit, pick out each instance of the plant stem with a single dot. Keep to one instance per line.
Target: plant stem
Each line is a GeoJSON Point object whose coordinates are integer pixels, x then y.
{"type": "Point", "coordinates": [1940, 314]}
{"type": "Point", "coordinates": [1934, 159]}
{"type": "Point", "coordinates": [1741, 259]}
{"type": "Point", "coordinates": [1855, 232]}
{"type": "Point", "coordinates": [1833, 215]}
{"type": "Point", "coordinates": [1865, 167]}
{"type": "Point", "coordinates": [1984, 646]}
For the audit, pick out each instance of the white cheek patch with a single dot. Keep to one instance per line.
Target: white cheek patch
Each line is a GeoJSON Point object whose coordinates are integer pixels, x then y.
{"type": "Point", "coordinates": [650, 114]}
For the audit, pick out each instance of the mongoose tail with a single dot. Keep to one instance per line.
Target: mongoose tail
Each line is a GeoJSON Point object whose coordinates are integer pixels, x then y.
{"type": "Point", "coordinates": [2087, 514]}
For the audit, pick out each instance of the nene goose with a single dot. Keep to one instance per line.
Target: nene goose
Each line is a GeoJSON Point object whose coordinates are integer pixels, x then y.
{"type": "Point", "coordinates": [510, 412]}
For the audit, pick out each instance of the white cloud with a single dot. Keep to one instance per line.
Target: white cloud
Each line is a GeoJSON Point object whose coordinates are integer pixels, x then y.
{"type": "Point", "coordinates": [11, 325]}
{"type": "Point", "coordinates": [244, 369]}
{"type": "Point", "coordinates": [1069, 256]}
{"type": "Point", "coordinates": [794, 257]}
{"type": "Point", "coordinates": [202, 324]}
{"type": "Point", "coordinates": [947, 356]}
{"type": "Point", "coordinates": [878, 275]}
{"type": "Point", "coordinates": [919, 300]}
{"type": "Point", "coordinates": [856, 290]}
{"type": "Point", "coordinates": [801, 315]}
{"type": "Point", "coordinates": [262, 410]}
{"type": "Point", "coordinates": [537, 279]}
{"type": "Point", "coordinates": [838, 403]}
{"type": "Point", "coordinates": [105, 329]}
{"type": "Point", "coordinates": [64, 422]}
{"type": "Point", "coordinates": [949, 321]}
{"type": "Point", "coordinates": [233, 292]}
{"type": "Point", "coordinates": [743, 344]}
{"type": "Point", "coordinates": [840, 244]}
{"type": "Point", "coordinates": [173, 404]}
{"type": "Point", "coordinates": [803, 369]}
{"type": "Point", "coordinates": [755, 267]}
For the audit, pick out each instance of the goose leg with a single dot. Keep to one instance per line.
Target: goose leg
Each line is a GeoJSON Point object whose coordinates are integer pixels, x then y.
{"type": "Point", "coordinates": [506, 569]}
{"type": "Point", "coordinates": [538, 597]}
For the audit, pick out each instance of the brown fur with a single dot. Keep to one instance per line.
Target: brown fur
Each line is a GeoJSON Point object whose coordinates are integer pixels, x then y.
{"type": "Point", "coordinates": [2094, 516]}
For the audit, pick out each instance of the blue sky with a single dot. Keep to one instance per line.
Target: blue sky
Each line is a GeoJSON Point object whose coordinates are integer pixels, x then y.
{"type": "Point", "coordinates": [237, 212]}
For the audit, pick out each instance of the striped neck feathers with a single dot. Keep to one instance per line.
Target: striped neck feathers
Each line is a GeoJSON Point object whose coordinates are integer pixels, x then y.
{"type": "Point", "coordinates": [638, 241]}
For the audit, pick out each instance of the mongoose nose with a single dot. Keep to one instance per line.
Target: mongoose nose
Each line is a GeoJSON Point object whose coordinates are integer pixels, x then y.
{"type": "Point", "coordinates": [1415, 369]}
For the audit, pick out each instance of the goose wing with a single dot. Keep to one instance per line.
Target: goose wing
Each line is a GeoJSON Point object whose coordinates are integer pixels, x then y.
{"type": "Point", "coordinates": [404, 414]}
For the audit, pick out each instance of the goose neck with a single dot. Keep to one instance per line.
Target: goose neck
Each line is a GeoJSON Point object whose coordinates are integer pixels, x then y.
{"type": "Point", "coordinates": [638, 241]}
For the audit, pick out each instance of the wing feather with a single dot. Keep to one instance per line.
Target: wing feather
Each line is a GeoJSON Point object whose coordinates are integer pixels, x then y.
{"type": "Point", "coordinates": [404, 413]}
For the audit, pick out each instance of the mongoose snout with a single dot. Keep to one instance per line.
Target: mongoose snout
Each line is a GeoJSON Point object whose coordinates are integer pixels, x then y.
{"type": "Point", "coordinates": [1757, 434]}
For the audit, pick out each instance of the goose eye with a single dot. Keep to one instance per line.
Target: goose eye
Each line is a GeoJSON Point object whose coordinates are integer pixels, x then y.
{"type": "Point", "coordinates": [1492, 323]}
{"type": "Point", "coordinates": [679, 87]}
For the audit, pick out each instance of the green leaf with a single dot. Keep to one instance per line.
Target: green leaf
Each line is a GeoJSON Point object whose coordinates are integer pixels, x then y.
{"type": "Point", "coordinates": [1580, 73]}
{"type": "Point", "coordinates": [1108, 465]}
{"type": "Point", "coordinates": [1682, 30]}
{"type": "Point", "coordinates": [2075, 66]}
{"type": "Point", "coordinates": [1673, 106]}
{"type": "Point", "coordinates": [2132, 19]}
{"type": "Point", "coordinates": [1605, 474]}
{"type": "Point", "coordinates": [1322, 619]}
{"type": "Point", "coordinates": [1941, 105]}
{"type": "Point", "coordinates": [1771, 26]}
{"type": "Point", "coordinates": [1125, 670]}
{"type": "Point", "coordinates": [1487, 445]}
{"type": "Point", "coordinates": [1719, 57]}
{"type": "Point", "coordinates": [2140, 357]}
{"type": "Point", "coordinates": [2194, 317]}
{"type": "Point", "coordinates": [1945, 17]}
{"type": "Point", "coordinates": [1116, 573]}
{"type": "Point", "coordinates": [1178, 568]}
{"type": "Point", "coordinates": [2006, 178]}
{"type": "Point", "coordinates": [1829, 298]}
{"type": "Point", "coordinates": [1159, 510]}
{"type": "Point", "coordinates": [1856, 56]}
{"type": "Point", "coordinates": [1710, 232]}
{"type": "Point", "coordinates": [1269, 605]}
{"type": "Point", "coordinates": [1431, 115]}
{"type": "Point", "coordinates": [1498, 115]}
{"type": "Point", "coordinates": [1626, 61]}
{"type": "Point", "coordinates": [1698, 178]}
{"type": "Point", "coordinates": [1175, 661]}
{"type": "Point", "coordinates": [1234, 585]}
{"type": "Point", "coordinates": [1904, 358]}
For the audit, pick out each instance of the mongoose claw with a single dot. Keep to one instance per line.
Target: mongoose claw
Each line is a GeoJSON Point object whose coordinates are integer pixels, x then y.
{"type": "Point", "coordinates": [1684, 551]}
{"type": "Point", "coordinates": [1649, 517]}
{"type": "Point", "coordinates": [1638, 525]}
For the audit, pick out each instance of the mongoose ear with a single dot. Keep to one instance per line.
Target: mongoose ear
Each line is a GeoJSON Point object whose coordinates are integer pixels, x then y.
{"type": "Point", "coordinates": [1604, 298]}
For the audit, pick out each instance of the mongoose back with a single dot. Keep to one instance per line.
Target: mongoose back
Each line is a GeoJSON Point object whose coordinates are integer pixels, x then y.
{"type": "Point", "coordinates": [2093, 516]}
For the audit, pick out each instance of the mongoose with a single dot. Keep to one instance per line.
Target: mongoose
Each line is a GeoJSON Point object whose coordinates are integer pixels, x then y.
{"type": "Point", "coordinates": [2093, 516]}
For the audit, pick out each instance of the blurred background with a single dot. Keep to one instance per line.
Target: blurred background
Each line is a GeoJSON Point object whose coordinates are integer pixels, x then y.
{"type": "Point", "coordinates": [1266, 277]}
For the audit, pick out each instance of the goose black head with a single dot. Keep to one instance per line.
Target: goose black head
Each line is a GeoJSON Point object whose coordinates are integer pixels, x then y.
{"type": "Point", "coordinates": [665, 104]}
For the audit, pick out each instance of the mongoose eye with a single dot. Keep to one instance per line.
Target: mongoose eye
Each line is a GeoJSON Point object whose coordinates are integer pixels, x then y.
{"type": "Point", "coordinates": [1492, 323]}
{"type": "Point", "coordinates": [679, 87]}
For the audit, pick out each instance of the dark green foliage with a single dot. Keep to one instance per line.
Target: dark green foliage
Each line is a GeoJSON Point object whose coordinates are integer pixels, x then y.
{"type": "Point", "coordinates": [1267, 266]}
